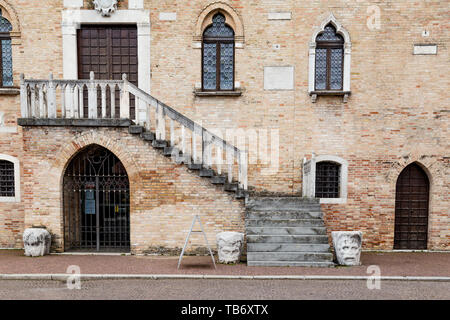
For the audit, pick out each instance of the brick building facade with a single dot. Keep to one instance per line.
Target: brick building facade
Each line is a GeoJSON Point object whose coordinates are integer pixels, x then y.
{"type": "Point", "coordinates": [388, 114]}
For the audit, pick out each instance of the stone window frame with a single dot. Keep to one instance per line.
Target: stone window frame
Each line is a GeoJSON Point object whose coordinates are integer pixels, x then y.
{"type": "Point", "coordinates": [204, 20]}
{"type": "Point", "coordinates": [309, 178]}
{"type": "Point", "coordinates": [346, 90]}
{"type": "Point", "coordinates": [74, 18]}
{"type": "Point", "coordinates": [9, 13]}
{"type": "Point", "coordinates": [16, 163]}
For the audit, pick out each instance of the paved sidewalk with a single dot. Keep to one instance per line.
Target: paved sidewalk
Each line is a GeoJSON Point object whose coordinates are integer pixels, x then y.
{"type": "Point", "coordinates": [391, 264]}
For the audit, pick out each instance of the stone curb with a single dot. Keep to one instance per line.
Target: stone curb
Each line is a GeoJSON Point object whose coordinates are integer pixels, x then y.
{"type": "Point", "coordinates": [64, 277]}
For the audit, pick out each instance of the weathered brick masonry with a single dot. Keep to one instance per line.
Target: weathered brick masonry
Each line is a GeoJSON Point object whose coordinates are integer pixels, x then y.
{"type": "Point", "coordinates": [397, 114]}
{"type": "Point", "coordinates": [164, 196]}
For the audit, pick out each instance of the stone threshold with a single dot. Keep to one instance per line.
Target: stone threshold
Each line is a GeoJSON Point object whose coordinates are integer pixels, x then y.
{"type": "Point", "coordinates": [33, 122]}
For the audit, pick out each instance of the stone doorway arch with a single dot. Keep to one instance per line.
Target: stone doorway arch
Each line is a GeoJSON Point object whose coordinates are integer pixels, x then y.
{"type": "Point", "coordinates": [96, 202]}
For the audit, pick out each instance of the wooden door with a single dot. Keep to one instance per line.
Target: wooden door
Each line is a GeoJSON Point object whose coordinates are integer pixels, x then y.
{"type": "Point", "coordinates": [411, 209]}
{"type": "Point", "coordinates": [109, 51]}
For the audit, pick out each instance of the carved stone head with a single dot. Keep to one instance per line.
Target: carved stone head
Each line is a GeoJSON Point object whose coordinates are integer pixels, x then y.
{"type": "Point", "coordinates": [105, 7]}
{"type": "Point", "coordinates": [347, 245]}
{"type": "Point", "coordinates": [36, 242]}
{"type": "Point", "coordinates": [229, 246]}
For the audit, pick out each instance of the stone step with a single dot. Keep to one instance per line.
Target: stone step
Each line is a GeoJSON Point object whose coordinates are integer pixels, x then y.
{"type": "Point", "coordinates": [290, 256]}
{"type": "Point", "coordinates": [286, 231]}
{"type": "Point", "coordinates": [207, 173]}
{"type": "Point", "coordinates": [195, 166]}
{"type": "Point", "coordinates": [284, 223]}
{"type": "Point", "coordinates": [289, 264]}
{"type": "Point", "coordinates": [171, 151]}
{"type": "Point", "coordinates": [230, 187]}
{"type": "Point", "coordinates": [183, 159]}
{"type": "Point", "coordinates": [282, 203]}
{"type": "Point", "coordinates": [135, 129]}
{"type": "Point", "coordinates": [159, 144]}
{"type": "Point", "coordinates": [305, 207]}
{"type": "Point", "coordinates": [283, 247]}
{"type": "Point", "coordinates": [218, 180]}
{"type": "Point", "coordinates": [241, 194]}
{"type": "Point", "coordinates": [284, 215]}
{"type": "Point", "coordinates": [148, 136]}
{"type": "Point", "coordinates": [287, 239]}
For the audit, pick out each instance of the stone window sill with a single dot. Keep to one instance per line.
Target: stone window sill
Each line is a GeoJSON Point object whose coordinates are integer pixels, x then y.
{"type": "Point", "coordinates": [234, 93]}
{"type": "Point", "coordinates": [333, 200]}
{"type": "Point", "coordinates": [11, 91]}
{"type": "Point", "coordinates": [315, 94]}
{"type": "Point", "coordinates": [9, 199]}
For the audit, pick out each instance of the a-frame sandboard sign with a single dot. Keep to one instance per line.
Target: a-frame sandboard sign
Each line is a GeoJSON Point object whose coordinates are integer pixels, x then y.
{"type": "Point", "coordinates": [196, 218]}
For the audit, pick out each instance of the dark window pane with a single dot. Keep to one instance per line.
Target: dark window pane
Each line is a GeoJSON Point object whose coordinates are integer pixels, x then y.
{"type": "Point", "coordinates": [218, 29]}
{"type": "Point", "coordinates": [6, 179]}
{"type": "Point", "coordinates": [226, 66]}
{"type": "Point", "coordinates": [5, 25]}
{"type": "Point", "coordinates": [218, 55]}
{"type": "Point", "coordinates": [336, 69]}
{"type": "Point", "coordinates": [327, 180]}
{"type": "Point", "coordinates": [329, 60]}
{"type": "Point", "coordinates": [7, 70]}
{"type": "Point", "coordinates": [329, 34]}
{"type": "Point", "coordinates": [209, 66]}
{"type": "Point", "coordinates": [321, 69]}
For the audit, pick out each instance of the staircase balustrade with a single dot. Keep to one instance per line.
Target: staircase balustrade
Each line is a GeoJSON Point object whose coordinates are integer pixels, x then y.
{"type": "Point", "coordinates": [39, 100]}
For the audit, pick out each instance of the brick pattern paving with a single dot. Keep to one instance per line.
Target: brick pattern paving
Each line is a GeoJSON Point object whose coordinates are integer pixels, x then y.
{"type": "Point", "coordinates": [391, 264]}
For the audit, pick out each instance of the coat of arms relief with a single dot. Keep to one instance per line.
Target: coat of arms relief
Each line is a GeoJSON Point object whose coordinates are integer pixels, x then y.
{"type": "Point", "coordinates": [105, 7]}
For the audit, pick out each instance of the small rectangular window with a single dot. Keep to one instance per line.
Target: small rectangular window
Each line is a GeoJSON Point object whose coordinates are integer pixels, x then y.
{"type": "Point", "coordinates": [327, 180]}
{"type": "Point", "coordinates": [7, 188]}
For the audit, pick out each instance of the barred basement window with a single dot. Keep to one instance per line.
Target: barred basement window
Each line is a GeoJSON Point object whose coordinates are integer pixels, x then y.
{"type": "Point", "coordinates": [218, 56]}
{"type": "Point", "coordinates": [7, 183]}
{"type": "Point", "coordinates": [6, 70]}
{"type": "Point", "coordinates": [329, 60]}
{"type": "Point", "coordinates": [327, 179]}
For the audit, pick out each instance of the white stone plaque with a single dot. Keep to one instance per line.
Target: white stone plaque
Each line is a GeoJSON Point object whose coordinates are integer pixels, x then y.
{"type": "Point", "coordinates": [167, 16]}
{"type": "Point", "coordinates": [279, 16]}
{"type": "Point", "coordinates": [279, 78]}
{"type": "Point", "coordinates": [421, 49]}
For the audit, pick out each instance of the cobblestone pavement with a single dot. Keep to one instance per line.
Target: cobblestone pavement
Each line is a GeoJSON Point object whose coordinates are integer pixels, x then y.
{"type": "Point", "coordinates": [390, 263]}
{"type": "Point", "coordinates": [222, 290]}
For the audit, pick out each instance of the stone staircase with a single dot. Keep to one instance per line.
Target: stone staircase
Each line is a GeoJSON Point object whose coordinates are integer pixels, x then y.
{"type": "Point", "coordinates": [284, 231]}
{"type": "Point", "coordinates": [177, 155]}
{"type": "Point", "coordinates": [281, 231]}
{"type": "Point", "coordinates": [164, 128]}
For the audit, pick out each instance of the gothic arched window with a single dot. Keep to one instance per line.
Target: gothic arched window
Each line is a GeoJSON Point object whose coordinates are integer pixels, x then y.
{"type": "Point", "coordinates": [6, 70]}
{"type": "Point", "coordinates": [218, 56]}
{"type": "Point", "coordinates": [329, 60]}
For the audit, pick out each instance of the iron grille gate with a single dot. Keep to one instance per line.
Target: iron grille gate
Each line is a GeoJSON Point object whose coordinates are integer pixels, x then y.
{"type": "Point", "coordinates": [96, 202]}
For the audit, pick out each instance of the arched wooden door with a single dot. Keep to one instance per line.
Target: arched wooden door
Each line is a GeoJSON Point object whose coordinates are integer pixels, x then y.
{"type": "Point", "coordinates": [411, 209]}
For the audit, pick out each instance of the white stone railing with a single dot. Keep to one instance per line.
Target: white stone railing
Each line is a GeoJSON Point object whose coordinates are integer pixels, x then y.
{"type": "Point", "coordinates": [39, 100]}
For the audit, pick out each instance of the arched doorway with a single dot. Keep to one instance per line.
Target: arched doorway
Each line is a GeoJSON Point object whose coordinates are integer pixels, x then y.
{"type": "Point", "coordinates": [411, 208]}
{"type": "Point", "coordinates": [96, 196]}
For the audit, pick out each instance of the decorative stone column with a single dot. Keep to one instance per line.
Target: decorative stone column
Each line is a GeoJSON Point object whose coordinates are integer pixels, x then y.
{"type": "Point", "coordinates": [347, 245]}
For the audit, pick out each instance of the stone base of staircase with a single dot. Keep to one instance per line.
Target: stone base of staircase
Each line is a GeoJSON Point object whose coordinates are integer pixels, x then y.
{"type": "Point", "coordinates": [286, 231]}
